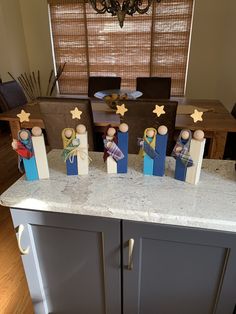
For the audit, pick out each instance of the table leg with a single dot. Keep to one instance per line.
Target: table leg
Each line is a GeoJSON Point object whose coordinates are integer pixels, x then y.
{"type": "Point", "coordinates": [15, 128]}
{"type": "Point", "coordinates": [217, 145]}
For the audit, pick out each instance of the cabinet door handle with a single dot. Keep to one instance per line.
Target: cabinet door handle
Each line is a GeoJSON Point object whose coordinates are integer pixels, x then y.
{"type": "Point", "coordinates": [130, 257]}
{"type": "Point", "coordinates": [20, 230]}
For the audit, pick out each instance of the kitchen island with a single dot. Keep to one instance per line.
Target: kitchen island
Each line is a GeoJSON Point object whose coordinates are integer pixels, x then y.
{"type": "Point", "coordinates": [127, 242]}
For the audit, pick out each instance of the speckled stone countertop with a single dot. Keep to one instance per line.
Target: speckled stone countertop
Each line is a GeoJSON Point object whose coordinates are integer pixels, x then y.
{"type": "Point", "coordinates": [211, 204]}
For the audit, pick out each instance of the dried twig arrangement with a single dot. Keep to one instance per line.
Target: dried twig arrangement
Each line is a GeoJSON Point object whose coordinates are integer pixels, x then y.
{"type": "Point", "coordinates": [32, 85]}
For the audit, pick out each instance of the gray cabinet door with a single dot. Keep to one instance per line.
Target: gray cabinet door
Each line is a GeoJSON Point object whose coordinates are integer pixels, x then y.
{"type": "Point", "coordinates": [73, 265]}
{"type": "Point", "coordinates": [178, 270]}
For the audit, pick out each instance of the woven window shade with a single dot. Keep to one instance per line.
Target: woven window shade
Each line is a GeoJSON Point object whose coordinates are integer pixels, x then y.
{"type": "Point", "coordinates": [170, 41]}
{"type": "Point", "coordinates": [153, 44]}
{"type": "Point", "coordinates": [70, 46]}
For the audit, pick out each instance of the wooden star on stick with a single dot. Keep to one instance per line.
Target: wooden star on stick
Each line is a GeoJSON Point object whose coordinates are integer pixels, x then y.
{"type": "Point", "coordinates": [121, 110]}
{"type": "Point", "coordinates": [159, 110]}
{"type": "Point", "coordinates": [197, 115]}
{"type": "Point", "coordinates": [76, 113]}
{"type": "Point", "coordinates": [23, 116]}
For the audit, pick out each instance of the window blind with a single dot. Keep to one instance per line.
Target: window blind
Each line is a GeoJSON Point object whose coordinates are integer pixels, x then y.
{"type": "Point", "coordinates": [153, 44]}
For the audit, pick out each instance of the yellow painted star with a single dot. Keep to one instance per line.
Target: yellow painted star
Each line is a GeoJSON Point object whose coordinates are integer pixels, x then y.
{"type": "Point", "coordinates": [23, 116]}
{"type": "Point", "coordinates": [76, 113]}
{"type": "Point", "coordinates": [197, 115]}
{"type": "Point", "coordinates": [159, 110]}
{"type": "Point", "coordinates": [121, 110]}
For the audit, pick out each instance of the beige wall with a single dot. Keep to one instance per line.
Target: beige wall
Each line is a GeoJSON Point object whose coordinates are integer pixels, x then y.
{"type": "Point", "coordinates": [227, 80]}
{"type": "Point", "coordinates": [212, 65]}
{"type": "Point", "coordinates": [13, 53]}
{"type": "Point", "coordinates": [37, 36]}
{"type": "Point", "coordinates": [212, 62]}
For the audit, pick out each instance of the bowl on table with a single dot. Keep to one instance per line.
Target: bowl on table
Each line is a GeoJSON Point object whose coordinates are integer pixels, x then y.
{"type": "Point", "coordinates": [114, 97]}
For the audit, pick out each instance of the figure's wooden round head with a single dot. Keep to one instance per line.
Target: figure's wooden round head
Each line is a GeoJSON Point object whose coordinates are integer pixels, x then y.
{"type": "Point", "coordinates": [81, 129]}
{"type": "Point", "coordinates": [24, 135]}
{"type": "Point", "coordinates": [68, 133]}
{"type": "Point", "coordinates": [36, 131]}
{"type": "Point", "coordinates": [185, 135]}
{"type": "Point", "coordinates": [150, 133]}
{"type": "Point", "coordinates": [123, 127]}
{"type": "Point", "coordinates": [162, 130]}
{"type": "Point", "coordinates": [198, 135]}
{"type": "Point", "coordinates": [111, 132]}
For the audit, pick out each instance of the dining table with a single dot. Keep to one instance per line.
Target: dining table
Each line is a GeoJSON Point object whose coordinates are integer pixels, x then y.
{"type": "Point", "coordinates": [217, 121]}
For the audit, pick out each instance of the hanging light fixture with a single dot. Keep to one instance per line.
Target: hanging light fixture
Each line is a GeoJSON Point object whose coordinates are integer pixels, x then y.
{"type": "Point", "coordinates": [120, 8]}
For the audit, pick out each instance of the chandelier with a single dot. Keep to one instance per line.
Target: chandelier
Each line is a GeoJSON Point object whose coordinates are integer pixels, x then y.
{"type": "Point", "coordinates": [120, 8]}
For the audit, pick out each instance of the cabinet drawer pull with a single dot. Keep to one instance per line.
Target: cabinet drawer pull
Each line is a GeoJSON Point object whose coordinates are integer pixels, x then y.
{"type": "Point", "coordinates": [130, 258]}
{"type": "Point", "coordinates": [20, 230]}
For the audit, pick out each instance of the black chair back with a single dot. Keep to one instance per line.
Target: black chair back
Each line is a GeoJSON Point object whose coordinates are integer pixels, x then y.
{"type": "Point", "coordinates": [99, 83]}
{"type": "Point", "coordinates": [233, 112]}
{"type": "Point", "coordinates": [57, 116]}
{"type": "Point", "coordinates": [154, 87]}
{"type": "Point", "coordinates": [230, 146]}
{"type": "Point", "coordinates": [140, 116]}
{"type": "Point", "coordinates": [11, 95]}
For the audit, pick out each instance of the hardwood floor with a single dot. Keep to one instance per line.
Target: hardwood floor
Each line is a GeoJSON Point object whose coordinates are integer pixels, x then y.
{"type": "Point", "coordinates": [14, 293]}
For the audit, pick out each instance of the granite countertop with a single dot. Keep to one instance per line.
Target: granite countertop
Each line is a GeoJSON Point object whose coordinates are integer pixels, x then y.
{"type": "Point", "coordinates": [211, 204]}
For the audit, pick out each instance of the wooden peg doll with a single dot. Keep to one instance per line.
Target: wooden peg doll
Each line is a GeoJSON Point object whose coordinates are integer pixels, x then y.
{"type": "Point", "coordinates": [123, 140]}
{"type": "Point", "coordinates": [70, 144]}
{"type": "Point", "coordinates": [148, 150]}
{"type": "Point", "coordinates": [82, 152]}
{"type": "Point", "coordinates": [196, 151]}
{"type": "Point", "coordinates": [26, 159]}
{"type": "Point", "coordinates": [110, 139]}
{"type": "Point", "coordinates": [182, 155]}
{"type": "Point", "coordinates": [112, 153]}
{"type": "Point", "coordinates": [40, 152]}
{"type": "Point", "coordinates": [160, 148]}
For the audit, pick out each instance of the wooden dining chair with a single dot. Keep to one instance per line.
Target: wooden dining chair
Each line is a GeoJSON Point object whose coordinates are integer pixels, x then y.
{"type": "Point", "coordinates": [99, 83]}
{"type": "Point", "coordinates": [57, 116]}
{"type": "Point", "coordinates": [140, 116]}
{"type": "Point", "coordinates": [154, 87]}
{"type": "Point", "coordinates": [11, 96]}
